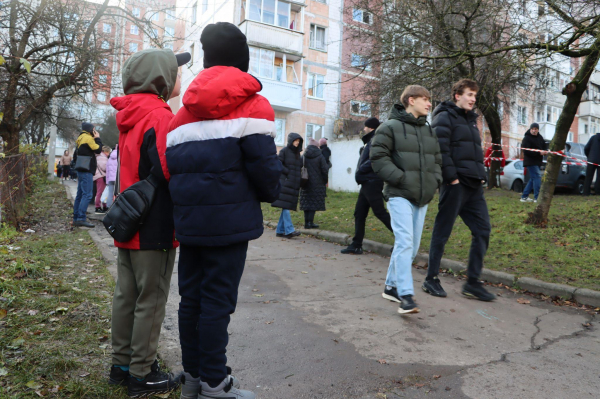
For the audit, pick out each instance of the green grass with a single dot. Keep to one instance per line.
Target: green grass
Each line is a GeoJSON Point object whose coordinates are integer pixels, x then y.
{"type": "Point", "coordinates": [567, 252]}
{"type": "Point", "coordinates": [55, 302]}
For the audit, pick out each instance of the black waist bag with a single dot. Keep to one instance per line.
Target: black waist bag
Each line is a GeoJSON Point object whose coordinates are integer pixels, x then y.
{"type": "Point", "coordinates": [128, 212]}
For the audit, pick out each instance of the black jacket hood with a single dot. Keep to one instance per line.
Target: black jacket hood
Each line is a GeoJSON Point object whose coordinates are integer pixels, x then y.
{"type": "Point", "coordinates": [454, 110]}
{"type": "Point", "coordinates": [293, 137]}
{"type": "Point", "coordinates": [367, 137]}
{"type": "Point", "coordinates": [312, 151]}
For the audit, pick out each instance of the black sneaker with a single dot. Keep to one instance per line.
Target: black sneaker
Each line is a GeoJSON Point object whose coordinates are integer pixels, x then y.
{"type": "Point", "coordinates": [100, 211]}
{"type": "Point", "coordinates": [434, 287]}
{"type": "Point", "coordinates": [477, 291]}
{"type": "Point", "coordinates": [294, 234]}
{"type": "Point", "coordinates": [391, 294]}
{"type": "Point", "coordinates": [311, 225]}
{"type": "Point", "coordinates": [156, 382]}
{"type": "Point", "coordinates": [119, 377]}
{"type": "Point", "coordinates": [83, 223]}
{"type": "Point", "coordinates": [352, 250]}
{"type": "Point", "coordinates": [291, 235]}
{"type": "Point", "coordinates": [407, 305]}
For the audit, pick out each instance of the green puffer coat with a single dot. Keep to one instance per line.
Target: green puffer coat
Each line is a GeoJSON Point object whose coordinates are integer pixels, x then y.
{"type": "Point", "coordinates": [405, 153]}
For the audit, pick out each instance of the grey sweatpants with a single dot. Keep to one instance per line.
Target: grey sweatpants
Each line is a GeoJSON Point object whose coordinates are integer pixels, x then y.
{"type": "Point", "coordinates": [143, 280]}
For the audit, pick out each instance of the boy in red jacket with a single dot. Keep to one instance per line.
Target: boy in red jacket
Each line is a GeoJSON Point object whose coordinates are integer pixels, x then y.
{"type": "Point", "coordinates": [145, 263]}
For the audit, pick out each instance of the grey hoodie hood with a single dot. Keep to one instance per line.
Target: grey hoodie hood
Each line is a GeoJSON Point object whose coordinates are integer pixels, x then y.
{"type": "Point", "coordinates": [150, 71]}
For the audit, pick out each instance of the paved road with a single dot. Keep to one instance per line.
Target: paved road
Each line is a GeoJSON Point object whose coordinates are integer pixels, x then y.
{"type": "Point", "coordinates": [311, 323]}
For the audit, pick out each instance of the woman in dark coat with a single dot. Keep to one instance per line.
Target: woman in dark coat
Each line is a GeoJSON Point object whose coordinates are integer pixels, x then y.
{"type": "Point", "coordinates": [312, 197]}
{"type": "Point", "coordinates": [290, 185]}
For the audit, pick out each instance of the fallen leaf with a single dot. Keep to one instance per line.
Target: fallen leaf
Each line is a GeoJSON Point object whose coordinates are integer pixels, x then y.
{"type": "Point", "coordinates": [381, 361]}
{"type": "Point", "coordinates": [85, 374]}
{"type": "Point", "coordinates": [33, 385]}
{"type": "Point", "coordinates": [3, 313]}
{"type": "Point", "coordinates": [259, 295]}
{"type": "Point", "coordinates": [437, 377]}
{"type": "Point", "coordinates": [32, 312]}
{"type": "Point", "coordinates": [103, 338]}
{"type": "Point", "coordinates": [62, 310]}
{"type": "Point", "coordinates": [38, 332]}
{"type": "Point", "coordinates": [523, 301]}
{"type": "Point", "coordinates": [304, 272]}
{"type": "Point", "coordinates": [103, 346]}
{"type": "Point", "coordinates": [3, 371]}
{"type": "Point", "coordinates": [270, 322]}
{"type": "Point", "coordinates": [20, 275]}
{"type": "Point", "coordinates": [41, 394]}
{"type": "Point", "coordinates": [255, 290]}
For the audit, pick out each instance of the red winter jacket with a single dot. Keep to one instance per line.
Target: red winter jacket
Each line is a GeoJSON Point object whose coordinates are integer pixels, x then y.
{"type": "Point", "coordinates": [143, 120]}
{"type": "Point", "coordinates": [488, 154]}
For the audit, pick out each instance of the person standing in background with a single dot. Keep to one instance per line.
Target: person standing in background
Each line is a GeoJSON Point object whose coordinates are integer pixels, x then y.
{"type": "Point", "coordinates": [65, 161]}
{"type": "Point", "coordinates": [533, 161]}
{"type": "Point", "coordinates": [100, 178]}
{"type": "Point", "coordinates": [592, 152]}
{"type": "Point", "coordinates": [325, 150]}
{"type": "Point", "coordinates": [111, 174]}
{"type": "Point", "coordinates": [312, 197]}
{"type": "Point", "coordinates": [88, 144]}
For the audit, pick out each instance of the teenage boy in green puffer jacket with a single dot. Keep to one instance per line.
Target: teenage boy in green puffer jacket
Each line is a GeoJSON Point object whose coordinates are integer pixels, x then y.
{"type": "Point", "coordinates": [405, 154]}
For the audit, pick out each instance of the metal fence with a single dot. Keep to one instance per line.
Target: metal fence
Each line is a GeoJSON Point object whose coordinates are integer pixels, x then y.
{"type": "Point", "coordinates": [16, 173]}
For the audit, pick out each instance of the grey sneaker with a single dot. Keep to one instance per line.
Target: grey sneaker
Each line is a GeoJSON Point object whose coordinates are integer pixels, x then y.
{"type": "Point", "coordinates": [224, 390]}
{"type": "Point", "coordinates": [190, 386]}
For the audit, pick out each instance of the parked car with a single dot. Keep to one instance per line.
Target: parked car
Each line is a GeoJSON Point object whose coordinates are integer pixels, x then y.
{"type": "Point", "coordinates": [512, 177]}
{"type": "Point", "coordinates": [572, 173]}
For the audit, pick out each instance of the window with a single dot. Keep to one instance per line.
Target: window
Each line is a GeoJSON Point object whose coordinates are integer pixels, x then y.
{"type": "Point", "coordinates": [106, 28]}
{"type": "Point", "coordinates": [194, 12]}
{"type": "Point", "coordinates": [361, 16]}
{"type": "Point", "coordinates": [134, 30]}
{"type": "Point", "coordinates": [155, 33]}
{"type": "Point", "coordinates": [204, 5]}
{"type": "Point", "coordinates": [279, 132]}
{"type": "Point", "coordinates": [104, 62]}
{"type": "Point", "coordinates": [169, 46]}
{"type": "Point", "coordinates": [171, 14]}
{"type": "Point", "coordinates": [552, 114]}
{"type": "Point", "coordinates": [501, 111]}
{"type": "Point", "coordinates": [313, 132]}
{"type": "Point", "coordinates": [133, 47]}
{"type": "Point", "coordinates": [136, 12]}
{"type": "Point", "coordinates": [103, 79]}
{"type": "Point", "coordinates": [262, 62]}
{"type": "Point", "coordinates": [317, 37]}
{"type": "Point", "coordinates": [101, 96]}
{"type": "Point", "coordinates": [358, 108]}
{"type": "Point", "coordinates": [273, 12]}
{"type": "Point", "coordinates": [316, 85]}
{"type": "Point", "coordinates": [155, 16]}
{"type": "Point", "coordinates": [105, 45]}
{"type": "Point", "coordinates": [522, 115]}
{"type": "Point", "coordinates": [169, 31]}
{"type": "Point", "coordinates": [358, 61]}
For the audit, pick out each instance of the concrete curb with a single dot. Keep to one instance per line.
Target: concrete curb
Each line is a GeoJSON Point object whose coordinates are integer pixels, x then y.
{"type": "Point", "coordinates": [583, 296]}
{"type": "Point", "coordinates": [106, 253]}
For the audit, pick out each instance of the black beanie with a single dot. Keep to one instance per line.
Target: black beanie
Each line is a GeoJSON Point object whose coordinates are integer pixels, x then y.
{"type": "Point", "coordinates": [372, 122]}
{"type": "Point", "coordinates": [224, 44]}
{"type": "Point", "coordinates": [534, 125]}
{"type": "Point", "coordinates": [87, 127]}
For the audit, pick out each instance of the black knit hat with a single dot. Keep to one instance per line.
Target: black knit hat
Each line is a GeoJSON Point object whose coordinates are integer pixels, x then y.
{"type": "Point", "coordinates": [372, 122]}
{"type": "Point", "coordinates": [224, 44]}
{"type": "Point", "coordinates": [87, 127]}
{"type": "Point", "coordinates": [534, 125]}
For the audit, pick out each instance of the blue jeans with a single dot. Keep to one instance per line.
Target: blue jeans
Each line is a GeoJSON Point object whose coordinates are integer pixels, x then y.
{"type": "Point", "coordinates": [534, 183]}
{"type": "Point", "coordinates": [407, 223]}
{"type": "Point", "coordinates": [85, 189]}
{"type": "Point", "coordinates": [285, 225]}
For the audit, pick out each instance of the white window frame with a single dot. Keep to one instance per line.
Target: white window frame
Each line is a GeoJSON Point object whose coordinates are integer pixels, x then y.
{"type": "Point", "coordinates": [204, 6]}
{"type": "Point", "coordinates": [361, 105]}
{"type": "Point", "coordinates": [280, 139]}
{"type": "Point", "coordinates": [276, 15]}
{"type": "Point", "coordinates": [134, 29]}
{"type": "Point", "coordinates": [135, 11]}
{"type": "Point", "coordinates": [312, 81]}
{"type": "Point", "coordinates": [169, 31]}
{"type": "Point", "coordinates": [313, 37]}
{"type": "Point", "coordinates": [103, 79]}
{"type": "Point", "coordinates": [169, 45]}
{"type": "Point", "coordinates": [307, 137]}
{"type": "Point", "coordinates": [358, 15]}
{"type": "Point", "coordinates": [133, 47]}
{"type": "Point", "coordinates": [106, 28]}
{"type": "Point", "coordinates": [170, 14]}
{"type": "Point", "coordinates": [194, 17]}
{"type": "Point", "coordinates": [155, 16]}
{"type": "Point", "coordinates": [101, 96]}
{"type": "Point", "coordinates": [105, 45]}
{"type": "Point", "coordinates": [358, 61]}
{"type": "Point", "coordinates": [261, 51]}
{"type": "Point", "coordinates": [521, 115]}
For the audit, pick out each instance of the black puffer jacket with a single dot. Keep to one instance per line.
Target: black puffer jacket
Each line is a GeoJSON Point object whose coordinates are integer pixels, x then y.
{"type": "Point", "coordinates": [460, 142]}
{"type": "Point", "coordinates": [364, 171]}
{"type": "Point", "coordinates": [592, 149]}
{"type": "Point", "coordinates": [533, 158]}
{"type": "Point", "coordinates": [290, 178]}
{"type": "Point", "coordinates": [326, 153]}
{"type": "Point", "coordinates": [312, 197]}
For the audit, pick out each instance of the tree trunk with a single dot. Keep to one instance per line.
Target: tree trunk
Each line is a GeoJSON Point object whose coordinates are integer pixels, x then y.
{"type": "Point", "coordinates": [490, 113]}
{"type": "Point", "coordinates": [573, 91]}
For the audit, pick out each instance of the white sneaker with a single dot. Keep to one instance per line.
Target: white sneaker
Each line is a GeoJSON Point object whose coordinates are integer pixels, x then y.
{"type": "Point", "coordinates": [524, 199]}
{"type": "Point", "coordinates": [224, 390]}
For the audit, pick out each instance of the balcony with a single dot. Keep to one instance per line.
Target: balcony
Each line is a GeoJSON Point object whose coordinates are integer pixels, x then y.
{"type": "Point", "coordinates": [589, 108]}
{"type": "Point", "coordinates": [273, 37]}
{"type": "Point", "coordinates": [283, 96]}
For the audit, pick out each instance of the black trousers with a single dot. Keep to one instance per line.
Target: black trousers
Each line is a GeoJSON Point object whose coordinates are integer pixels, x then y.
{"type": "Point", "coordinates": [468, 203]}
{"type": "Point", "coordinates": [589, 176]}
{"type": "Point", "coordinates": [209, 278]}
{"type": "Point", "coordinates": [370, 197]}
{"type": "Point", "coordinates": [309, 216]}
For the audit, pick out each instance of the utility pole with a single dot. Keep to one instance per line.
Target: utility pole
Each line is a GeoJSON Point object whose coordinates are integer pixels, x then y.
{"type": "Point", "coordinates": [52, 143]}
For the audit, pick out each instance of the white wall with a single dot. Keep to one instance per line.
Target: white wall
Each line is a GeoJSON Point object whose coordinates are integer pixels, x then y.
{"type": "Point", "coordinates": [344, 157]}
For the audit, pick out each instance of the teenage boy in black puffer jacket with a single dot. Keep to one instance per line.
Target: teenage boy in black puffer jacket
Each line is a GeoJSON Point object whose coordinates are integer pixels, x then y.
{"type": "Point", "coordinates": [461, 193]}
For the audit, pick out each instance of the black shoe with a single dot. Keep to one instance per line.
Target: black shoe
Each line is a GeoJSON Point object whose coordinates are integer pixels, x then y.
{"type": "Point", "coordinates": [295, 234]}
{"type": "Point", "coordinates": [352, 250]}
{"type": "Point", "coordinates": [83, 223]}
{"type": "Point", "coordinates": [434, 287]}
{"type": "Point", "coordinates": [477, 291]}
{"type": "Point", "coordinates": [288, 236]}
{"type": "Point", "coordinates": [391, 294]}
{"type": "Point", "coordinates": [120, 377]}
{"type": "Point", "coordinates": [408, 305]}
{"type": "Point", "coordinates": [156, 382]}
{"type": "Point", "coordinates": [100, 211]}
{"type": "Point", "coordinates": [311, 225]}
{"type": "Point", "coordinates": [104, 210]}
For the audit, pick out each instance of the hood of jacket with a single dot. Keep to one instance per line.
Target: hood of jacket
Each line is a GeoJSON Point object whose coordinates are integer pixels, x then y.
{"type": "Point", "coordinates": [398, 112]}
{"type": "Point", "coordinates": [367, 137]}
{"type": "Point", "coordinates": [535, 137]}
{"type": "Point", "coordinates": [82, 138]}
{"type": "Point", "coordinates": [135, 107]}
{"type": "Point", "coordinates": [150, 71]}
{"type": "Point", "coordinates": [454, 110]}
{"type": "Point", "coordinates": [219, 90]}
{"type": "Point", "coordinates": [114, 154]}
{"type": "Point", "coordinates": [290, 144]}
{"type": "Point", "coordinates": [312, 151]}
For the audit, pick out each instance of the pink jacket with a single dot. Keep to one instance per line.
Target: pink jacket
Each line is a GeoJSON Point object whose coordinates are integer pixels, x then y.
{"type": "Point", "coordinates": [101, 160]}
{"type": "Point", "coordinates": [111, 166]}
